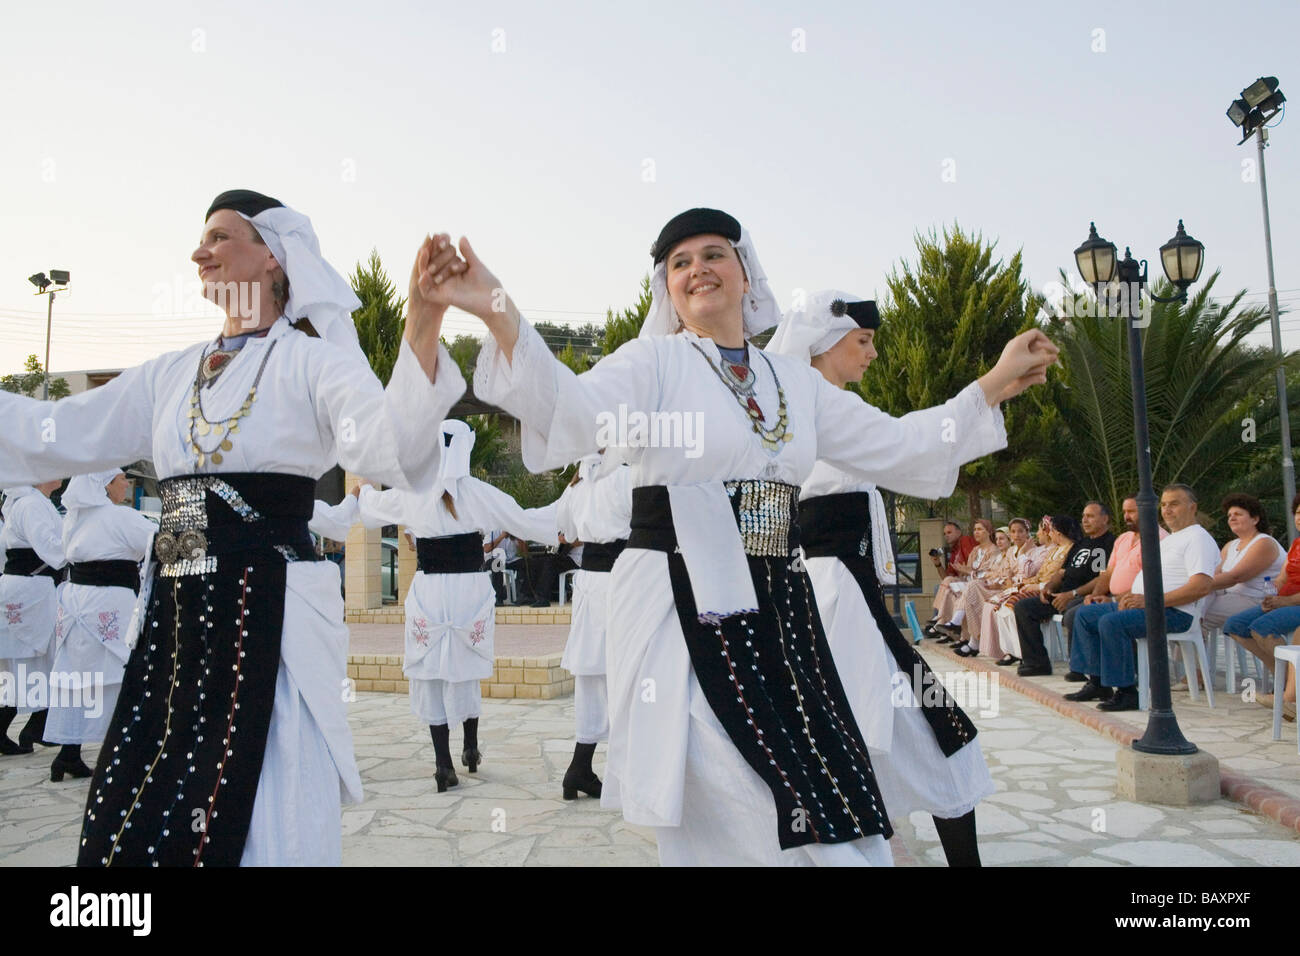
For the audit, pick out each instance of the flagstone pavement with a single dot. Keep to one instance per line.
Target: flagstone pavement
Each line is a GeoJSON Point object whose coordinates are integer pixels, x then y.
{"type": "Point", "coordinates": [1055, 805]}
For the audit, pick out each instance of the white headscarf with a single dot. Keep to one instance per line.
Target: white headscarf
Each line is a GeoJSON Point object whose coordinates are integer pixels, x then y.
{"type": "Point", "coordinates": [454, 463]}
{"type": "Point", "coordinates": [813, 329]}
{"type": "Point", "coordinates": [760, 307]}
{"type": "Point", "coordinates": [89, 491]}
{"type": "Point", "coordinates": [316, 290]}
{"type": "Point", "coordinates": [13, 494]}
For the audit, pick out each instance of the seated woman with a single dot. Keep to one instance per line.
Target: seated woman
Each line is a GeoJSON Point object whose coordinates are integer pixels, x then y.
{"type": "Point", "coordinates": [1001, 574]}
{"type": "Point", "coordinates": [948, 604]}
{"type": "Point", "coordinates": [1063, 531]}
{"type": "Point", "coordinates": [1029, 560]}
{"type": "Point", "coordinates": [1261, 628]}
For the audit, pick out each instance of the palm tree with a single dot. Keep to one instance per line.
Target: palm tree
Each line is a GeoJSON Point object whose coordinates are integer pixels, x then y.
{"type": "Point", "coordinates": [1210, 400]}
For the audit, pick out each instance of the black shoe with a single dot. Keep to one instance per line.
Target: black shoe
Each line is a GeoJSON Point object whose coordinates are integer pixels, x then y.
{"type": "Point", "coordinates": [967, 651]}
{"type": "Point", "coordinates": [946, 639]}
{"type": "Point", "coordinates": [9, 749]}
{"type": "Point", "coordinates": [540, 604]}
{"type": "Point", "coordinates": [500, 603]}
{"type": "Point", "coordinates": [1044, 670]}
{"type": "Point", "coordinates": [1008, 661]}
{"type": "Point", "coordinates": [471, 759]}
{"type": "Point", "coordinates": [590, 785]}
{"type": "Point", "coordinates": [445, 777]}
{"type": "Point", "coordinates": [73, 768]}
{"type": "Point", "coordinates": [1074, 677]}
{"type": "Point", "coordinates": [33, 732]}
{"type": "Point", "coordinates": [1091, 691]}
{"type": "Point", "coordinates": [1125, 698]}
{"type": "Point", "coordinates": [520, 603]}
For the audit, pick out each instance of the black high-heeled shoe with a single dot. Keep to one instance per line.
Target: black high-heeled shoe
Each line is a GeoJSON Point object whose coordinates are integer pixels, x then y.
{"type": "Point", "coordinates": [471, 759]}
{"type": "Point", "coordinates": [590, 785]}
{"type": "Point", "coordinates": [9, 749]}
{"type": "Point", "coordinates": [72, 768]}
{"type": "Point", "coordinates": [445, 777]}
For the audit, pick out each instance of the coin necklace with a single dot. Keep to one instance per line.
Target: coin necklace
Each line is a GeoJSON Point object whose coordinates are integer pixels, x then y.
{"type": "Point", "coordinates": [743, 390]}
{"type": "Point", "coordinates": [222, 429]}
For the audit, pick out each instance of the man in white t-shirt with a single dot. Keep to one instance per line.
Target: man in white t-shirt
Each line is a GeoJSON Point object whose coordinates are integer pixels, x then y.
{"type": "Point", "coordinates": [1188, 558]}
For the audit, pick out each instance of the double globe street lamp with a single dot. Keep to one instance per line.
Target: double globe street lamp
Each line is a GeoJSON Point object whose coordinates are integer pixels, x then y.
{"type": "Point", "coordinates": [1099, 264]}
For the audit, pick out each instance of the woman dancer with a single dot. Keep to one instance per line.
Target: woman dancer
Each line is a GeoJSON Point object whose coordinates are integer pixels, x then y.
{"type": "Point", "coordinates": [923, 750]}
{"type": "Point", "coordinates": [104, 545]}
{"type": "Point", "coordinates": [230, 742]}
{"type": "Point", "coordinates": [596, 510]}
{"type": "Point", "coordinates": [32, 541]}
{"type": "Point", "coordinates": [450, 608]}
{"type": "Point", "coordinates": [729, 729]}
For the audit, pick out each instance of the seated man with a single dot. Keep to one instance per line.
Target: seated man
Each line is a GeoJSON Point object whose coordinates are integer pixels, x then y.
{"type": "Point", "coordinates": [1104, 632]}
{"type": "Point", "coordinates": [1086, 560]}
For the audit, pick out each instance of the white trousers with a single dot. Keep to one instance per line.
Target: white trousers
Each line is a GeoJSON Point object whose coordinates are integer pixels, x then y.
{"type": "Point", "coordinates": [446, 702]}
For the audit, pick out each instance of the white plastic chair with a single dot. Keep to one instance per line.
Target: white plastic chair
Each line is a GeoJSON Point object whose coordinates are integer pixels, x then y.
{"type": "Point", "coordinates": [512, 584]}
{"type": "Point", "coordinates": [1283, 655]}
{"type": "Point", "coordinates": [1054, 639]}
{"type": "Point", "coordinates": [1235, 657]}
{"type": "Point", "coordinates": [1193, 640]}
{"type": "Point", "coordinates": [566, 576]}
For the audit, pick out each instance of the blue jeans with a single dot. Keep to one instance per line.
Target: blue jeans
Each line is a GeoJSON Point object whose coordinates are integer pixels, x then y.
{"type": "Point", "coordinates": [1104, 636]}
{"type": "Point", "coordinates": [1280, 622]}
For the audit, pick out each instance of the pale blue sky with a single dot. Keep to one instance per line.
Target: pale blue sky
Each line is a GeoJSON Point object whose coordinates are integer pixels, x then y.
{"type": "Point", "coordinates": [386, 120]}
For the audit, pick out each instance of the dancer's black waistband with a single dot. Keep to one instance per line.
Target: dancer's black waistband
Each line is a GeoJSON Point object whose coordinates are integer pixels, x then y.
{"type": "Point", "coordinates": [601, 555]}
{"type": "Point", "coordinates": [106, 574]}
{"type": "Point", "coordinates": [207, 516]}
{"type": "Point", "coordinates": [26, 562]}
{"type": "Point", "coordinates": [450, 554]}
{"type": "Point", "coordinates": [836, 525]}
{"type": "Point", "coordinates": [766, 513]}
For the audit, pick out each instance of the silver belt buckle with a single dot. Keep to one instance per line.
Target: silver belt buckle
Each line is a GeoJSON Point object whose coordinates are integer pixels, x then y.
{"type": "Point", "coordinates": [171, 549]}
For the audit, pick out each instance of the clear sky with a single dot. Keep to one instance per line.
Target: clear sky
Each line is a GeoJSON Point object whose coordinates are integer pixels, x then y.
{"type": "Point", "coordinates": [561, 136]}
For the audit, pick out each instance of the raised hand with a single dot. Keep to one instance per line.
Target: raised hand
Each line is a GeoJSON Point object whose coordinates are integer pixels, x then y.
{"type": "Point", "coordinates": [424, 307]}
{"type": "Point", "coordinates": [1024, 362]}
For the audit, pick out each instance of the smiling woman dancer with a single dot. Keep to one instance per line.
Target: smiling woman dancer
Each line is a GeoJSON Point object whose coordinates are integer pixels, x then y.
{"type": "Point", "coordinates": [230, 741]}
{"type": "Point", "coordinates": [729, 729]}
{"type": "Point", "coordinates": [923, 750]}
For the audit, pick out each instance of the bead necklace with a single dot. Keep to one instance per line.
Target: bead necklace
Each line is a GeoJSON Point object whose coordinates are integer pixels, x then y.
{"type": "Point", "coordinates": [772, 438]}
{"type": "Point", "coordinates": [200, 425]}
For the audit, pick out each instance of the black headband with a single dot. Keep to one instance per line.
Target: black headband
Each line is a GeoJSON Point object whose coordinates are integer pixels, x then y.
{"type": "Point", "coordinates": [694, 222]}
{"type": "Point", "coordinates": [242, 200]}
{"type": "Point", "coordinates": [864, 313]}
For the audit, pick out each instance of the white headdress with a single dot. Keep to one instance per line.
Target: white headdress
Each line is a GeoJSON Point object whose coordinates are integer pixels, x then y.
{"type": "Point", "coordinates": [817, 326]}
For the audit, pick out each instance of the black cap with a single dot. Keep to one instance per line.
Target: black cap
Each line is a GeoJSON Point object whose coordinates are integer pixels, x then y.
{"type": "Point", "coordinates": [242, 200]}
{"type": "Point", "coordinates": [694, 222]}
{"type": "Point", "coordinates": [864, 313]}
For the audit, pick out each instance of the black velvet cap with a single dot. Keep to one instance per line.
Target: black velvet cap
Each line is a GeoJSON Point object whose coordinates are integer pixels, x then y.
{"type": "Point", "coordinates": [694, 222]}
{"type": "Point", "coordinates": [242, 200]}
{"type": "Point", "coordinates": [864, 313]}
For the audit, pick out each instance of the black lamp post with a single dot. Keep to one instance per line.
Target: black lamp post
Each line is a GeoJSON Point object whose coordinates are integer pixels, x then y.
{"type": "Point", "coordinates": [60, 278]}
{"type": "Point", "coordinates": [1182, 258]}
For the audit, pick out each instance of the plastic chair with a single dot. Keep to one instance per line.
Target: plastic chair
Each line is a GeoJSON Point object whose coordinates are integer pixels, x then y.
{"type": "Point", "coordinates": [1283, 654]}
{"type": "Point", "coordinates": [1054, 639]}
{"type": "Point", "coordinates": [1235, 657]}
{"type": "Point", "coordinates": [913, 623]}
{"type": "Point", "coordinates": [512, 584]}
{"type": "Point", "coordinates": [567, 575]}
{"type": "Point", "coordinates": [1190, 637]}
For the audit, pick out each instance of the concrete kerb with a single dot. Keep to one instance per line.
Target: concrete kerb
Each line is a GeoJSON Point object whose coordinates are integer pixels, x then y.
{"type": "Point", "coordinates": [1238, 787]}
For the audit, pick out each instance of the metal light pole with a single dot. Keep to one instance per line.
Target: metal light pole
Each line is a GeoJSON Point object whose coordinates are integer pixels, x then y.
{"type": "Point", "coordinates": [1097, 263]}
{"type": "Point", "coordinates": [1288, 466]}
{"type": "Point", "coordinates": [60, 278]}
{"type": "Point", "coordinates": [1259, 103]}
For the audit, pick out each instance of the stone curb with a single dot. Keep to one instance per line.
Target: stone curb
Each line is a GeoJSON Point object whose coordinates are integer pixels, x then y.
{"type": "Point", "coordinates": [1277, 806]}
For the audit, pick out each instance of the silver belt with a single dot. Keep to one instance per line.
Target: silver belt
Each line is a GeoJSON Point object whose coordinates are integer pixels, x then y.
{"type": "Point", "coordinates": [766, 511]}
{"type": "Point", "coordinates": [181, 545]}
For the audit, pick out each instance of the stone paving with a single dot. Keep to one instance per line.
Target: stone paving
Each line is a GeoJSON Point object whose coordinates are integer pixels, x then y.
{"type": "Point", "coordinates": [1055, 804]}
